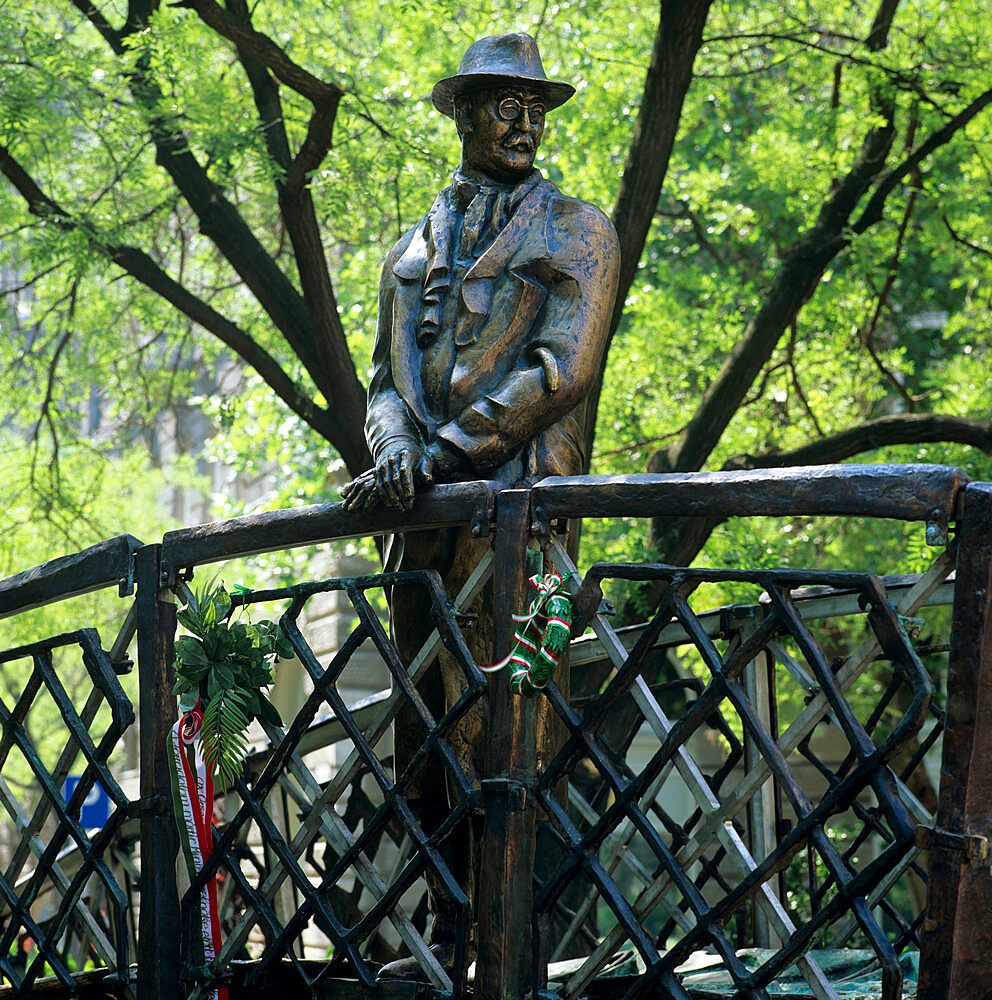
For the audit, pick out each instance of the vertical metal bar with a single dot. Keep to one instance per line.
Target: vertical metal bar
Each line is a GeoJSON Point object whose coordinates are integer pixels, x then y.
{"type": "Point", "coordinates": [284, 903]}
{"type": "Point", "coordinates": [506, 876]}
{"type": "Point", "coordinates": [158, 928]}
{"type": "Point", "coordinates": [957, 932]}
{"type": "Point", "coordinates": [761, 807]}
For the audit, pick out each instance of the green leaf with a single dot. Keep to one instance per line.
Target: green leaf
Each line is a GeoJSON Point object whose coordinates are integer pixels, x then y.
{"type": "Point", "coordinates": [259, 675]}
{"type": "Point", "coordinates": [269, 713]}
{"type": "Point", "coordinates": [190, 620]}
{"type": "Point", "coordinates": [223, 734]}
{"type": "Point", "coordinates": [239, 696]}
{"type": "Point", "coordinates": [214, 686]}
{"type": "Point", "coordinates": [224, 675]}
{"type": "Point", "coordinates": [218, 642]}
{"type": "Point", "coordinates": [191, 652]}
{"type": "Point", "coordinates": [284, 648]}
{"type": "Point", "coordinates": [252, 706]}
{"type": "Point", "coordinates": [222, 603]}
{"type": "Point", "coordinates": [182, 685]}
{"type": "Point", "coordinates": [197, 673]}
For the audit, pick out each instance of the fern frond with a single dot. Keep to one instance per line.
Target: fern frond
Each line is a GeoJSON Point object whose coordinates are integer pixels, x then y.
{"type": "Point", "coordinates": [223, 733]}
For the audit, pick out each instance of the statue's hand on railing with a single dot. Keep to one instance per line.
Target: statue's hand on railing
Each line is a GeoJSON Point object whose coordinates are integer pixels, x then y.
{"type": "Point", "coordinates": [360, 493]}
{"type": "Point", "coordinates": [397, 471]}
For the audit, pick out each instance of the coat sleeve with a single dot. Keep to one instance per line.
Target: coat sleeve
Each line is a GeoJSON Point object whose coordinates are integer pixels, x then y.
{"type": "Point", "coordinates": [583, 263]}
{"type": "Point", "coordinates": [387, 417]}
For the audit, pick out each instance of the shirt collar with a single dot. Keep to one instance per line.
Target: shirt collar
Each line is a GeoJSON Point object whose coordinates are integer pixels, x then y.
{"type": "Point", "coordinates": [464, 189]}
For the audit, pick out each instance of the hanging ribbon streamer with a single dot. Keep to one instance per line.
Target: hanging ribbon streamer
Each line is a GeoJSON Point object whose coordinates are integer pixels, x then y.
{"type": "Point", "coordinates": [193, 794]}
{"type": "Point", "coordinates": [541, 637]}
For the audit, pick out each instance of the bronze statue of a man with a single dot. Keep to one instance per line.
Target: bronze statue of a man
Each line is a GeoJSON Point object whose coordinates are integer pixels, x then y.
{"type": "Point", "coordinates": [493, 313]}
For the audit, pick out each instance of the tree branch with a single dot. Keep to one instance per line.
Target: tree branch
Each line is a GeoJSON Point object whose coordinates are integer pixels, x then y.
{"type": "Point", "coordinates": [899, 428]}
{"type": "Point", "coordinates": [878, 37]}
{"type": "Point", "coordinates": [25, 285]}
{"type": "Point", "coordinates": [803, 267]}
{"type": "Point", "coordinates": [295, 198]}
{"type": "Point", "coordinates": [267, 101]}
{"type": "Point", "coordinates": [799, 276]}
{"type": "Point", "coordinates": [678, 540]}
{"type": "Point", "coordinates": [45, 414]}
{"type": "Point", "coordinates": [676, 42]}
{"type": "Point", "coordinates": [872, 212]}
{"type": "Point", "coordinates": [795, 282]}
{"type": "Point", "coordinates": [958, 238]}
{"type": "Point", "coordinates": [257, 54]}
{"type": "Point", "coordinates": [46, 404]}
{"type": "Point", "coordinates": [138, 14]}
{"type": "Point", "coordinates": [790, 359]}
{"type": "Point", "coordinates": [698, 229]}
{"type": "Point", "coordinates": [141, 267]}
{"type": "Point", "coordinates": [239, 30]}
{"type": "Point", "coordinates": [219, 220]}
{"type": "Point", "coordinates": [314, 148]}
{"type": "Point", "coordinates": [295, 201]}
{"type": "Point", "coordinates": [107, 32]}
{"type": "Point", "coordinates": [867, 333]}
{"type": "Point", "coordinates": [309, 322]}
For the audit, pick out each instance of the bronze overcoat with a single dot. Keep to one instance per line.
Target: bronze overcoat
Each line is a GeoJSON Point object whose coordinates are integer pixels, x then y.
{"type": "Point", "coordinates": [532, 320]}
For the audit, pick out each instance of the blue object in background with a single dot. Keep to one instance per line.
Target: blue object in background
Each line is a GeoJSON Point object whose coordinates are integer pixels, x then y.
{"type": "Point", "coordinates": [96, 806]}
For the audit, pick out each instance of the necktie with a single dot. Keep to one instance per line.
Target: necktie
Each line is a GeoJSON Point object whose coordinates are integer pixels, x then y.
{"type": "Point", "coordinates": [476, 216]}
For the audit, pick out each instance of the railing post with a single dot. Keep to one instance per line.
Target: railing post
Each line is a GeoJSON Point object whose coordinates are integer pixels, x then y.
{"type": "Point", "coordinates": [158, 929]}
{"type": "Point", "coordinates": [957, 932]}
{"type": "Point", "coordinates": [759, 683]}
{"type": "Point", "coordinates": [507, 875]}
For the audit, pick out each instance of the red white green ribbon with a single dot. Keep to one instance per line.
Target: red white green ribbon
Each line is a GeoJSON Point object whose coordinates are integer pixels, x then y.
{"type": "Point", "coordinates": [193, 794]}
{"type": "Point", "coordinates": [541, 637]}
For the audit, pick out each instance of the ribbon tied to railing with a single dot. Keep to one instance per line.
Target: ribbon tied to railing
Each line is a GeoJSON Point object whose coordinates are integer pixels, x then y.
{"type": "Point", "coordinates": [540, 638]}
{"type": "Point", "coordinates": [193, 794]}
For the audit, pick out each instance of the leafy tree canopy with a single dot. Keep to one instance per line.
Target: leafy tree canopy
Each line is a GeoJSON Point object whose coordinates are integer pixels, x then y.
{"type": "Point", "coordinates": [800, 192]}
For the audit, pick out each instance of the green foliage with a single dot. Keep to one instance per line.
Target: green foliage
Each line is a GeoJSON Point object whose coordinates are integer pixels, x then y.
{"type": "Point", "coordinates": [842, 833]}
{"type": "Point", "coordinates": [223, 733]}
{"type": "Point", "coordinates": [226, 665]}
{"type": "Point", "coordinates": [776, 112]}
{"type": "Point", "coordinates": [773, 118]}
{"type": "Point", "coordinates": [52, 508]}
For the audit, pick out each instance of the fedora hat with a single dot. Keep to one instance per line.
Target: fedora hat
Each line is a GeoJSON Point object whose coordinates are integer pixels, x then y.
{"type": "Point", "coordinates": [510, 58]}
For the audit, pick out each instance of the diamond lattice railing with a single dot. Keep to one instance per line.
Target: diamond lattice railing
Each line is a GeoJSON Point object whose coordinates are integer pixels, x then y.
{"type": "Point", "coordinates": [349, 851]}
{"type": "Point", "coordinates": [62, 886]}
{"type": "Point", "coordinates": [686, 840]}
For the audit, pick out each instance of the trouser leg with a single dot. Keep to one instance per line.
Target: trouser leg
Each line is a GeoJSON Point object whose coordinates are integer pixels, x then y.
{"type": "Point", "coordinates": [430, 790]}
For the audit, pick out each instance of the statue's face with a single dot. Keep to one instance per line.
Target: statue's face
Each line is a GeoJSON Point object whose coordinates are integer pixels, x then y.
{"type": "Point", "coordinates": [506, 125]}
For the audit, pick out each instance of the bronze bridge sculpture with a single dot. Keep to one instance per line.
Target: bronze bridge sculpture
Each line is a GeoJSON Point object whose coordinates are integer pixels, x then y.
{"type": "Point", "coordinates": [493, 314]}
{"type": "Point", "coordinates": [556, 861]}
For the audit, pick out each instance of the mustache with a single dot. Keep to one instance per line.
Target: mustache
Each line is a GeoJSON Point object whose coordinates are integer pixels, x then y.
{"type": "Point", "coordinates": [519, 140]}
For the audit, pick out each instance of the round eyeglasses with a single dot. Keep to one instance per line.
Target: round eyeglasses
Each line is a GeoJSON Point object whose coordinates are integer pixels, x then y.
{"type": "Point", "coordinates": [510, 108]}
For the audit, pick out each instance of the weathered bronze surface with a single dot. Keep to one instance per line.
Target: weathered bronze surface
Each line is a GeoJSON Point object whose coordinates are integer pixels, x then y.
{"type": "Point", "coordinates": [79, 573]}
{"type": "Point", "coordinates": [957, 934]}
{"type": "Point", "coordinates": [493, 308]}
{"type": "Point", "coordinates": [519, 790]}
{"type": "Point", "coordinates": [493, 313]}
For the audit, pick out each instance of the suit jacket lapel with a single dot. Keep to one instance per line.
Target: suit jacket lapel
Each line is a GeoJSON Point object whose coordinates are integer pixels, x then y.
{"type": "Point", "coordinates": [404, 352]}
{"type": "Point", "coordinates": [428, 250]}
{"type": "Point", "coordinates": [411, 265]}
